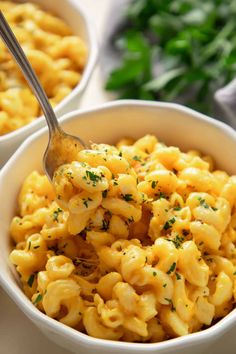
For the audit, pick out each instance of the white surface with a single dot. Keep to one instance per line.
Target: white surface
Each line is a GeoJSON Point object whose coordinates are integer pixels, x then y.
{"type": "Point", "coordinates": [18, 335]}
{"type": "Point", "coordinates": [111, 123]}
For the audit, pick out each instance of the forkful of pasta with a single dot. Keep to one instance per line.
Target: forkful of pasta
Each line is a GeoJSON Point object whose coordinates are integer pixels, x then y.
{"type": "Point", "coordinates": [62, 147]}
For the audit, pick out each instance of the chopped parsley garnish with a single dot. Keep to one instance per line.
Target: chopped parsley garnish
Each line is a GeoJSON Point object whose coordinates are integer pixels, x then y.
{"type": "Point", "coordinates": [56, 213]}
{"type": "Point", "coordinates": [170, 303]}
{"type": "Point", "coordinates": [38, 299]}
{"type": "Point", "coordinates": [203, 203]}
{"type": "Point", "coordinates": [85, 201]}
{"type": "Point", "coordinates": [127, 197]}
{"type": "Point", "coordinates": [160, 195]}
{"type": "Point", "coordinates": [31, 280]}
{"type": "Point", "coordinates": [105, 225]}
{"type": "Point", "coordinates": [115, 183]}
{"type": "Point", "coordinates": [35, 247]}
{"type": "Point", "coordinates": [172, 268]}
{"type": "Point", "coordinates": [178, 276]}
{"type": "Point", "coordinates": [234, 273]}
{"type": "Point", "coordinates": [164, 285]}
{"type": "Point", "coordinates": [177, 208]}
{"type": "Point", "coordinates": [169, 224]}
{"type": "Point", "coordinates": [137, 158]}
{"type": "Point", "coordinates": [213, 208]}
{"type": "Point", "coordinates": [69, 174]}
{"type": "Point", "coordinates": [120, 154]}
{"type": "Point", "coordinates": [154, 274]}
{"type": "Point", "coordinates": [153, 184]}
{"type": "Point", "coordinates": [93, 177]}
{"type": "Point", "coordinates": [177, 241]}
{"type": "Point", "coordinates": [104, 193]}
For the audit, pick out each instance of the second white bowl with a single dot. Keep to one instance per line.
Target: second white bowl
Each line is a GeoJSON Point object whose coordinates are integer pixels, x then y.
{"type": "Point", "coordinates": [72, 12]}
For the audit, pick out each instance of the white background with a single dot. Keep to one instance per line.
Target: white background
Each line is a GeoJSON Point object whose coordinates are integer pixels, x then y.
{"type": "Point", "coordinates": [18, 335]}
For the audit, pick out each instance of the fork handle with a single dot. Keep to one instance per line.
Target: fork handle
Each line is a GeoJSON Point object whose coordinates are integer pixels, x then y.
{"type": "Point", "coordinates": [29, 74]}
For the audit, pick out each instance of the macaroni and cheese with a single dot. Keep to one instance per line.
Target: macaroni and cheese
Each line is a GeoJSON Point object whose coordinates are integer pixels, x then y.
{"type": "Point", "coordinates": [133, 243]}
{"type": "Point", "coordinates": [57, 56]}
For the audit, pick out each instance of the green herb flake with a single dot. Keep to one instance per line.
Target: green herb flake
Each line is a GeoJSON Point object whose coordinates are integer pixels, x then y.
{"type": "Point", "coordinates": [31, 280]}
{"type": "Point", "coordinates": [137, 158]}
{"type": "Point", "coordinates": [38, 299]}
{"type": "Point", "coordinates": [105, 225]}
{"type": "Point", "coordinates": [128, 197]}
{"type": "Point", "coordinates": [178, 276]}
{"type": "Point", "coordinates": [29, 246]}
{"type": "Point", "coordinates": [104, 193]}
{"type": "Point", "coordinates": [56, 214]}
{"type": "Point", "coordinates": [154, 273]}
{"type": "Point", "coordinates": [93, 177]}
{"type": "Point", "coordinates": [164, 285]}
{"type": "Point", "coordinates": [177, 241]}
{"type": "Point", "coordinates": [153, 184]}
{"type": "Point", "coordinates": [169, 223]}
{"type": "Point", "coordinates": [171, 304]}
{"type": "Point", "coordinates": [177, 208]}
{"type": "Point", "coordinates": [131, 219]}
{"type": "Point", "coordinates": [203, 203]}
{"type": "Point", "coordinates": [172, 268]}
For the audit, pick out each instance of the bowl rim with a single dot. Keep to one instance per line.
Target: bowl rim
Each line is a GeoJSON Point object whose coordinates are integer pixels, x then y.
{"type": "Point", "coordinates": [15, 292]}
{"type": "Point", "coordinates": [79, 88]}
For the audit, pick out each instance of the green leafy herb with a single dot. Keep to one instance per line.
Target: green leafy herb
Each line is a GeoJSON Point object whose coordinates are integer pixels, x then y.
{"type": "Point", "coordinates": [178, 276]}
{"type": "Point", "coordinates": [177, 208]}
{"type": "Point", "coordinates": [153, 184]}
{"type": "Point", "coordinates": [104, 193]}
{"type": "Point", "coordinates": [131, 219]}
{"type": "Point", "coordinates": [177, 241]}
{"type": "Point", "coordinates": [169, 224]}
{"type": "Point", "coordinates": [154, 273]}
{"type": "Point", "coordinates": [56, 213]}
{"type": "Point", "coordinates": [172, 268]}
{"type": "Point", "coordinates": [105, 225]}
{"type": "Point", "coordinates": [193, 42]}
{"type": "Point", "coordinates": [38, 299]}
{"type": "Point", "coordinates": [203, 203]}
{"type": "Point", "coordinates": [31, 280]}
{"type": "Point", "coordinates": [161, 195]}
{"type": "Point", "coordinates": [127, 197]}
{"type": "Point", "coordinates": [85, 201]}
{"type": "Point", "coordinates": [171, 304]}
{"type": "Point", "coordinates": [93, 177]}
{"type": "Point", "coordinates": [137, 158]}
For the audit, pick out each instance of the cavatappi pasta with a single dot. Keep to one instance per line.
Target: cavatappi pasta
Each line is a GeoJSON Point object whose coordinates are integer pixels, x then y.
{"type": "Point", "coordinates": [134, 243]}
{"type": "Point", "coordinates": [57, 56]}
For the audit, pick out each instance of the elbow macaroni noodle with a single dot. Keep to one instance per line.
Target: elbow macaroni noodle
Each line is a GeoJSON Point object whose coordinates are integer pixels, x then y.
{"type": "Point", "coordinates": [134, 243]}
{"type": "Point", "coordinates": [57, 56]}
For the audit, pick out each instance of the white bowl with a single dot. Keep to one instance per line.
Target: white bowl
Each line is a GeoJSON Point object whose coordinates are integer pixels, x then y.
{"type": "Point", "coordinates": [172, 124]}
{"type": "Point", "coordinates": [72, 12]}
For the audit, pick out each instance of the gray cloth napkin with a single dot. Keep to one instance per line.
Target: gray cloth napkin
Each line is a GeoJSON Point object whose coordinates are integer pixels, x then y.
{"type": "Point", "coordinates": [225, 98]}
